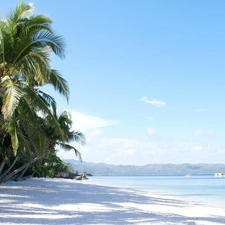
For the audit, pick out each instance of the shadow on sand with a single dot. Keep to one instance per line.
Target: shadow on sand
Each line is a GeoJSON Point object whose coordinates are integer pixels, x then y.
{"type": "Point", "coordinates": [53, 201]}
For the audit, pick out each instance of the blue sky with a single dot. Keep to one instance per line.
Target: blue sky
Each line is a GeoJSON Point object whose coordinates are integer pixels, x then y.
{"type": "Point", "coordinates": [147, 78]}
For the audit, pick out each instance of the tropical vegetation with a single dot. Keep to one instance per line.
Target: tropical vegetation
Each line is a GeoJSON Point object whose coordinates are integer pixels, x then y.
{"type": "Point", "coordinates": [30, 127]}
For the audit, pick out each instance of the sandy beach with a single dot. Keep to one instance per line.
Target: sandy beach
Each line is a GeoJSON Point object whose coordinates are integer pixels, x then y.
{"type": "Point", "coordinates": [60, 201]}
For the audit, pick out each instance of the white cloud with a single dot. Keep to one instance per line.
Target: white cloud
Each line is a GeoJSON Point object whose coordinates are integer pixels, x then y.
{"type": "Point", "coordinates": [135, 152]}
{"type": "Point", "coordinates": [29, 13]}
{"type": "Point", "coordinates": [200, 110]}
{"type": "Point", "coordinates": [198, 132]}
{"type": "Point", "coordinates": [84, 122]}
{"type": "Point", "coordinates": [91, 126]}
{"type": "Point", "coordinates": [128, 152]}
{"type": "Point", "coordinates": [222, 151]}
{"type": "Point", "coordinates": [93, 134]}
{"type": "Point", "coordinates": [150, 118]}
{"type": "Point", "coordinates": [212, 133]}
{"type": "Point", "coordinates": [103, 148]}
{"type": "Point", "coordinates": [153, 101]}
{"type": "Point", "coordinates": [198, 148]}
{"type": "Point", "coordinates": [150, 131]}
{"type": "Point", "coordinates": [201, 132]}
{"type": "Point", "coordinates": [31, 4]}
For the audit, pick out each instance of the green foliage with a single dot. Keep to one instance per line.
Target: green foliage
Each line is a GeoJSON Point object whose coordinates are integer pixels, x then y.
{"type": "Point", "coordinates": [30, 128]}
{"type": "Point", "coordinates": [26, 44]}
{"type": "Point", "coordinates": [50, 166]}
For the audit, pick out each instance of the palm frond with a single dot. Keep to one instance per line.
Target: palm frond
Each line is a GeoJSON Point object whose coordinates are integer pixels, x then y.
{"type": "Point", "coordinates": [40, 42]}
{"type": "Point", "coordinates": [36, 101]}
{"type": "Point", "coordinates": [11, 128]}
{"type": "Point", "coordinates": [59, 83]}
{"type": "Point", "coordinates": [3, 34]}
{"type": "Point", "coordinates": [78, 136]}
{"type": "Point", "coordinates": [37, 23]}
{"type": "Point", "coordinates": [55, 42]}
{"type": "Point", "coordinates": [48, 99]}
{"type": "Point", "coordinates": [68, 147]}
{"type": "Point", "coordinates": [22, 10]}
{"type": "Point", "coordinates": [65, 120]}
{"type": "Point", "coordinates": [32, 126]}
{"type": "Point", "coordinates": [25, 146]}
{"type": "Point", "coordinates": [34, 68]}
{"type": "Point", "coordinates": [12, 96]}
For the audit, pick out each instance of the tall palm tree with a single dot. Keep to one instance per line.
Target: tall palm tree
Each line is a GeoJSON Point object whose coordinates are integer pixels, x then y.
{"type": "Point", "coordinates": [26, 44]}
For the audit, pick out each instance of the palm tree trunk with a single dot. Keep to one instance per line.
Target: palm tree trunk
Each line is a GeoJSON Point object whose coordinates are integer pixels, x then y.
{"type": "Point", "coordinates": [9, 176]}
{"type": "Point", "coordinates": [2, 164]}
{"type": "Point", "coordinates": [3, 161]}
{"type": "Point", "coordinates": [7, 171]}
{"type": "Point", "coordinates": [21, 175]}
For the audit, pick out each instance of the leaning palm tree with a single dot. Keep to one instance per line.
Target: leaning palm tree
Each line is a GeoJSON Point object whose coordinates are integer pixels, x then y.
{"type": "Point", "coordinates": [26, 44]}
{"type": "Point", "coordinates": [63, 142]}
{"type": "Point", "coordinates": [52, 141]}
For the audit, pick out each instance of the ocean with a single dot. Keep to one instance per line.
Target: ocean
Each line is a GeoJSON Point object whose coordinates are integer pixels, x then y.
{"type": "Point", "coordinates": [203, 189]}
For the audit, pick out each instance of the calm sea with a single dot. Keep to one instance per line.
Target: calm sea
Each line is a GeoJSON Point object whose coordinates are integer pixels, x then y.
{"type": "Point", "coordinates": [205, 189]}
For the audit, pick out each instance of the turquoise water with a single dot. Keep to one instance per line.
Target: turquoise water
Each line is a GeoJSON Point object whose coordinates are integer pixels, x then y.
{"type": "Point", "coordinates": [205, 189]}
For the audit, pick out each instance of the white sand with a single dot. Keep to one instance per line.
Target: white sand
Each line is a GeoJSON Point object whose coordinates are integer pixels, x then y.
{"type": "Point", "coordinates": [60, 201]}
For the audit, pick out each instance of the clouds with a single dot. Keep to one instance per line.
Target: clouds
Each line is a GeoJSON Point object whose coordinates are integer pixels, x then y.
{"type": "Point", "coordinates": [198, 132]}
{"type": "Point", "coordinates": [84, 122]}
{"type": "Point", "coordinates": [212, 133]}
{"type": "Point", "coordinates": [153, 102]}
{"type": "Point", "coordinates": [208, 133]}
{"type": "Point", "coordinates": [91, 126]}
{"type": "Point", "coordinates": [198, 148]}
{"type": "Point", "coordinates": [102, 147]}
{"type": "Point", "coordinates": [150, 131]}
{"type": "Point", "coordinates": [136, 152]}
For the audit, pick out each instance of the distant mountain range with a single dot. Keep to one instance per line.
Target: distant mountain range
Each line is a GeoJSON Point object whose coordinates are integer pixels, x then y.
{"type": "Point", "coordinates": [149, 169]}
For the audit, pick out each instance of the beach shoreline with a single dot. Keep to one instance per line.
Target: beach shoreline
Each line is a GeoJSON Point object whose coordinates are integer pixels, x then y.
{"type": "Point", "coordinates": [61, 201]}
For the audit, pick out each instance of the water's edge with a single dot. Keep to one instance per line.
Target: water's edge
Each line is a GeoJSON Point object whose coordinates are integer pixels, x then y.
{"type": "Point", "coordinates": [204, 189]}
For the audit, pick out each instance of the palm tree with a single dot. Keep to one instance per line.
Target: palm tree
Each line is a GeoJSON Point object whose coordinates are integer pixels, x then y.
{"type": "Point", "coordinates": [53, 140]}
{"type": "Point", "coordinates": [26, 44]}
{"type": "Point", "coordinates": [65, 121]}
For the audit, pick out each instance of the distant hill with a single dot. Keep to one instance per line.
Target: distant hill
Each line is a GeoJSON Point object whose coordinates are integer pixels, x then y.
{"type": "Point", "coordinates": [149, 169]}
